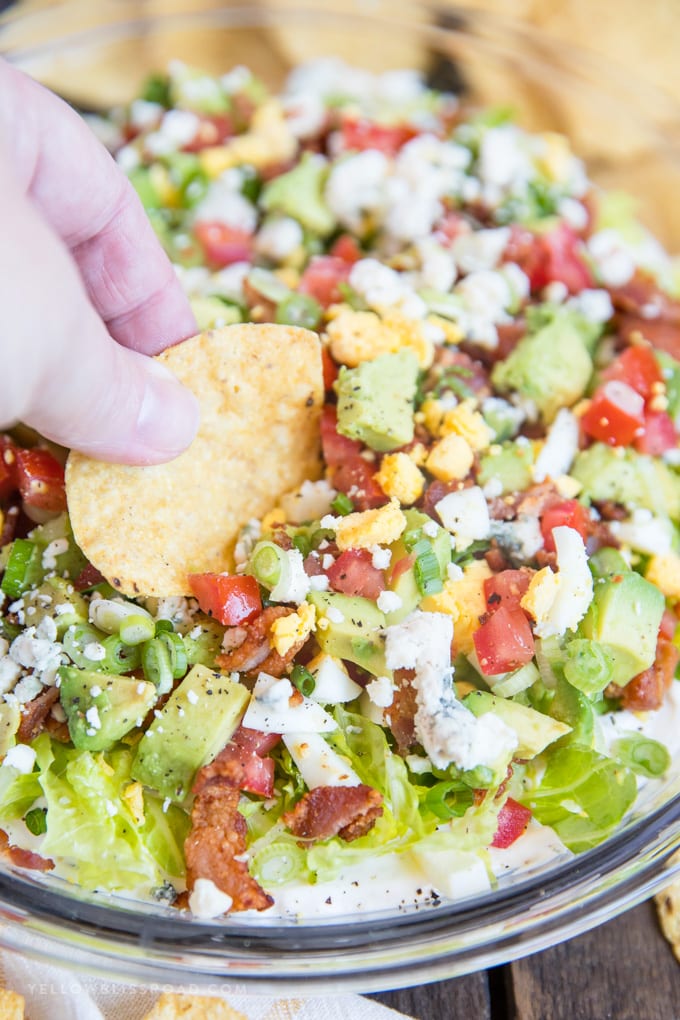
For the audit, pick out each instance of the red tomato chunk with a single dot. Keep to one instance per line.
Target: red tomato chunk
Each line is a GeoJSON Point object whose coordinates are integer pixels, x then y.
{"type": "Point", "coordinates": [513, 819]}
{"type": "Point", "coordinates": [224, 245]}
{"type": "Point", "coordinates": [506, 589]}
{"type": "Point", "coordinates": [616, 414]}
{"type": "Point", "coordinates": [504, 642]}
{"type": "Point", "coordinates": [231, 599]}
{"type": "Point", "coordinates": [40, 479]}
{"type": "Point", "coordinates": [353, 573]}
{"type": "Point", "coordinates": [568, 513]}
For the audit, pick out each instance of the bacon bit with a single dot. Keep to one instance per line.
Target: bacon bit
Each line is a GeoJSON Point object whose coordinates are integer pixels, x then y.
{"type": "Point", "coordinates": [256, 652]}
{"type": "Point", "coordinates": [436, 492]}
{"type": "Point", "coordinates": [345, 811]}
{"type": "Point", "coordinates": [88, 577]}
{"type": "Point", "coordinates": [23, 858]}
{"type": "Point", "coordinates": [609, 510]}
{"type": "Point", "coordinates": [645, 692]}
{"type": "Point", "coordinates": [218, 837]}
{"type": "Point", "coordinates": [496, 558]}
{"type": "Point", "coordinates": [34, 713]}
{"type": "Point", "coordinates": [400, 715]}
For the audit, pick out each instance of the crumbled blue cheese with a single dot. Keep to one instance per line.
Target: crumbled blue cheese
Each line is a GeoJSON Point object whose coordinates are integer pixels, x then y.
{"type": "Point", "coordinates": [381, 691]}
{"type": "Point", "coordinates": [207, 901]}
{"type": "Point", "coordinates": [448, 731]}
{"type": "Point", "coordinates": [389, 601]}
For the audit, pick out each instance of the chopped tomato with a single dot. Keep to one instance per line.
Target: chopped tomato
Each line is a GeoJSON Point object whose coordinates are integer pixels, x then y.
{"type": "Point", "coordinates": [40, 479]}
{"type": "Point", "coordinates": [668, 626]}
{"type": "Point", "coordinates": [353, 573]}
{"type": "Point", "coordinates": [230, 598]}
{"type": "Point", "coordinates": [330, 369]}
{"type": "Point", "coordinates": [568, 513]}
{"type": "Point", "coordinates": [224, 245]}
{"type": "Point", "coordinates": [637, 367]}
{"type": "Point", "coordinates": [513, 819]}
{"type": "Point", "coordinates": [504, 642]}
{"type": "Point", "coordinates": [616, 414]}
{"type": "Point", "coordinates": [347, 249]}
{"type": "Point", "coordinates": [360, 134]}
{"type": "Point", "coordinates": [88, 577]}
{"type": "Point", "coordinates": [549, 258]}
{"type": "Point", "coordinates": [250, 748]}
{"type": "Point", "coordinates": [506, 589]}
{"type": "Point", "coordinates": [659, 435]}
{"type": "Point", "coordinates": [213, 129]}
{"type": "Point", "coordinates": [322, 278]}
{"type": "Point", "coordinates": [352, 474]}
{"type": "Point", "coordinates": [8, 471]}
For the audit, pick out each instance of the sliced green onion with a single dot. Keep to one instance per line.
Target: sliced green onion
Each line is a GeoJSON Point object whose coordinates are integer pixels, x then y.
{"type": "Point", "coordinates": [268, 564]}
{"type": "Point", "coordinates": [109, 614]}
{"type": "Point", "coordinates": [135, 629]}
{"type": "Point", "coordinates": [164, 627]}
{"type": "Point", "coordinates": [426, 571]}
{"type": "Point", "coordinates": [302, 543]}
{"type": "Point", "coordinates": [412, 537]}
{"type": "Point", "coordinates": [321, 535]}
{"type": "Point", "coordinates": [448, 799]}
{"type": "Point", "coordinates": [278, 863]}
{"type": "Point", "coordinates": [299, 310]}
{"type": "Point", "coordinates": [178, 654]}
{"type": "Point", "coordinates": [644, 756]}
{"type": "Point", "coordinates": [342, 504]}
{"type": "Point", "coordinates": [77, 638]}
{"type": "Point", "coordinates": [303, 680]}
{"type": "Point", "coordinates": [588, 668]}
{"type": "Point", "coordinates": [157, 665]}
{"type": "Point", "coordinates": [24, 568]}
{"type": "Point", "coordinates": [521, 679]}
{"type": "Point", "coordinates": [120, 657]}
{"type": "Point", "coordinates": [36, 821]}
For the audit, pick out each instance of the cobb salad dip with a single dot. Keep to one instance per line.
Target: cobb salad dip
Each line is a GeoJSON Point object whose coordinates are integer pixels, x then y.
{"type": "Point", "coordinates": [450, 653]}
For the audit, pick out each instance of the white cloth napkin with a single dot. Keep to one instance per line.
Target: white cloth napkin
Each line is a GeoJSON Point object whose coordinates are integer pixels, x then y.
{"type": "Point", "coordinates": [52, 993]}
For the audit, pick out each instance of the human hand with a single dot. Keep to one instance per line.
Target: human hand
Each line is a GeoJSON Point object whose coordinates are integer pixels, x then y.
{"type": "Point", "coordinates": [86, 292]}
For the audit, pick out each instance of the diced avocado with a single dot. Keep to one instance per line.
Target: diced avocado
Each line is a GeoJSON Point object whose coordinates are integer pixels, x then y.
{"type": "Point", "coordinates": [211, 313]}
{"type": "Point", "coordinates": [300, 194]}
{"type": "Point", "coordinates": [10, 717]}
{"type": "Point", "coordinates": [202, 648]}
{"type": "Point", "coordinates": [551, 368]}
{"type": "Point", "coordinates": [193, 726]}
{"type": "Point", "coordinates": [375, 400]}
{"type": "Point", "coordinates": [607, 561]}
{"type": "Point", "coordinates": [100, 709]}
{"type": "Point", "coordinates": [625, 476]}
{"type": "Point", "coordinates": [534, 730]}
{"type": "Point", "coordinates": [539, 316]}
{"type": "Point", "coordinates": [141, 181]}
{"type": "Point", "coordinates": [511, 465]}
{"type": "Point", "coordinates": [69, 563]}
{"type": "Point", "coordinates": [624, 617]}
{"type": "Point", "coordinates": [56, 598]}
{"type": "Point", "coordinates": [405, 585]}
{"type": "Point", "coordinates": [503, 417]}
{"type": "Point", "coordinates": [352, 630]}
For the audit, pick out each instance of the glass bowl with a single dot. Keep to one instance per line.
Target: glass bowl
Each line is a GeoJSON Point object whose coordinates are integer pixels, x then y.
{"type": "Point", "coordinates": [629, 134]}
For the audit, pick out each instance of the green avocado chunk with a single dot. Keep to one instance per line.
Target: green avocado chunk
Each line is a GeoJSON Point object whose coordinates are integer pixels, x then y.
{"type": "Point", "coordinates": [193, 726]}
{"type": "Point", "coordinates": [101, 708]}
{"type": "Point", "coordinates": [551, 367]}
{"type": "Point", "coordinates": [624, 617]}
{"type": "Point", "coordinates": [300, 194]}
{"type": "Point", "coordinates": [511, 465]}
{"type": "Point", "coordinates": [352, 630]}
{"type": "Point", "coordinates": [405, 585]}
{"type": "Point", "coordinates": [625, 476]}
{"type": "Point", "coordinates": [52, 593]}
{"type": "Point", "coordinates": [534, 730]}
{"type": "Point", "coordinates": [375, 400]}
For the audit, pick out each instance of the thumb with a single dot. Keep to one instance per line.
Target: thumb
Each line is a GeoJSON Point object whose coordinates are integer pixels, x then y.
{"type": "Point", "coordinates": [63, 373]}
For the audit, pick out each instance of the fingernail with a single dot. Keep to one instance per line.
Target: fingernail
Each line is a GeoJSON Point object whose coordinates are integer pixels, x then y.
{"type": "Point", "coordinates": [169, 416]}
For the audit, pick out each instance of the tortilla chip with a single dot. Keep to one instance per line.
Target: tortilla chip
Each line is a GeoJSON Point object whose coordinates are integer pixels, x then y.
{"type": "Point", "coordinates": [12, 1005]}
{"type": "Point", "coordinates": [192, 1007]}
{"type": "Point", "coordinates": [260, 388]}
{"type": "Point", "coordinates": [668, 909]}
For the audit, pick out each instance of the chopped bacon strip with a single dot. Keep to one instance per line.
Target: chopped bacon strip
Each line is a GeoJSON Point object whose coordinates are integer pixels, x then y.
{"type": "Point", "coordinates": [218, 837]}
{"type": "Point", "coordinates": [23, 858]}
{"type": "Point", "coordinates": [34, 714]}
{"type": "Point", "coordinates": [401, 713]}
{"type": "Point", "coordinates": [345, 811]}
{"type": "Point", "coordinates": [645, 692]}
{"type": "Point", "coordinates": [256, 652]}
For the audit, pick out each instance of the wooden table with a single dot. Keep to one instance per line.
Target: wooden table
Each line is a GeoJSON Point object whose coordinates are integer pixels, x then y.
{"type": "Point", "coordinates": [624, 970]}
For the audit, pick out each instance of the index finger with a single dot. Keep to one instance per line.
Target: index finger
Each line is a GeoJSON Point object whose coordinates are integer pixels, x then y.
{"type": "Point", "coordinates": [89, 202]}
